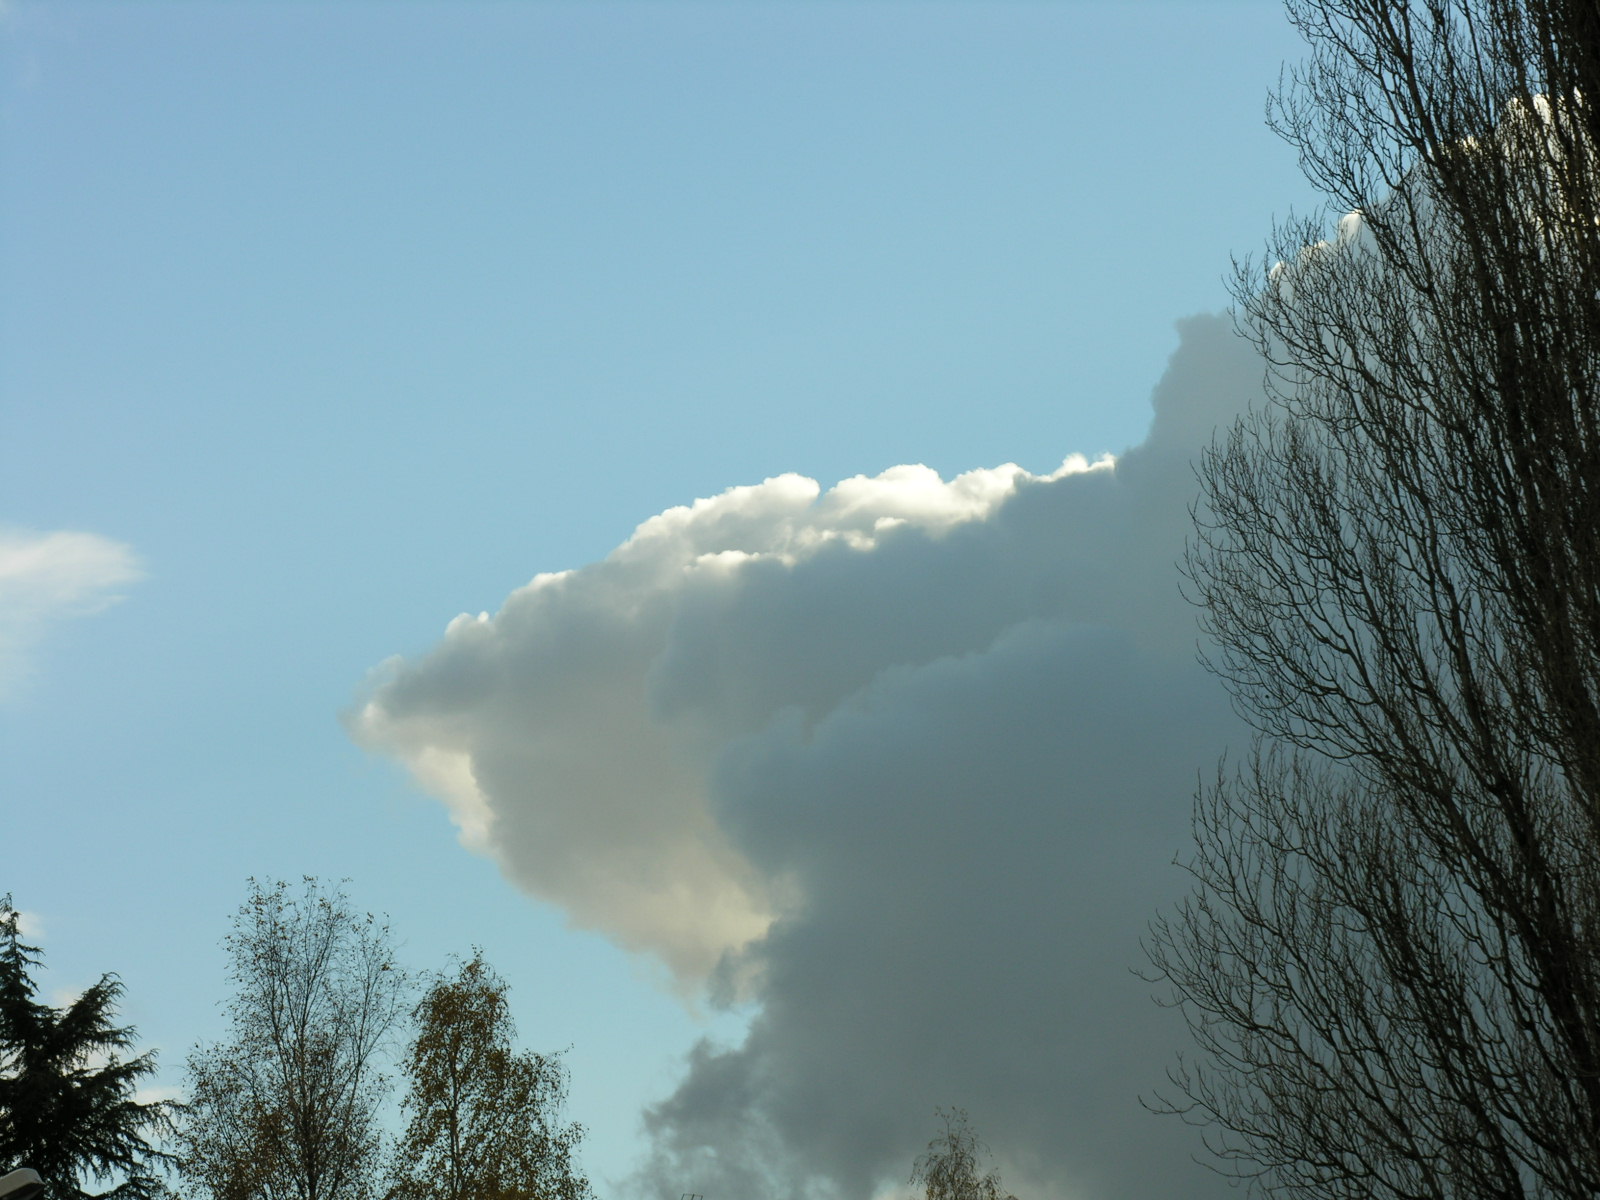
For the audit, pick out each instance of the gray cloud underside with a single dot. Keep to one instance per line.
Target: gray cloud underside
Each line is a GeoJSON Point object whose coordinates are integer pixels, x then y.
{"type": "Point", "coordinates": [903, 764]}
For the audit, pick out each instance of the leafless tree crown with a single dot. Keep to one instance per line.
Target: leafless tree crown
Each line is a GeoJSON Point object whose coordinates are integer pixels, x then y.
{"type": "Point", "coordinates": [1391, 958]}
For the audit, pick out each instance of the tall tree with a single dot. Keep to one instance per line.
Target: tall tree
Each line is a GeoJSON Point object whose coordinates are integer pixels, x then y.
{"type": "Point", "coordinates": [68, 1088]}
{"type": "Point", "coordinates": [485, 1119]}
{"type": "Point", "coordinates": [286, 1107]}
{"type": "Point", "coordinates": [949, 1169]}
{"type": "Point", "coordinates": [1391, 961]}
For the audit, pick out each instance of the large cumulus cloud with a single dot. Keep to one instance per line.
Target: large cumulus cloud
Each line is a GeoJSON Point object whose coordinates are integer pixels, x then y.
{"type": "Point", "coordinates": [903, 763]}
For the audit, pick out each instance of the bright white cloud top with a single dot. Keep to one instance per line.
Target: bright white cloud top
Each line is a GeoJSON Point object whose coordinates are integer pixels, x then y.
{"type": "Point", "coordinates": [50, 577]}
{"type": "Point", "coordinates": [586, 768]}
{"type": "Point", "coordinates": [902, 762]}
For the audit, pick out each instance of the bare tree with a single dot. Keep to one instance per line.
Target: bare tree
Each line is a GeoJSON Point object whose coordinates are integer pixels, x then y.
{"type": "Point", "coordinates": [949, 1170]}
{"type": "Point", "coordinates": [286, 1108]}
{"type": "Point", "coordinates": [1391, 959]}
{"type": "Point", "coordinates": [485, 1120]}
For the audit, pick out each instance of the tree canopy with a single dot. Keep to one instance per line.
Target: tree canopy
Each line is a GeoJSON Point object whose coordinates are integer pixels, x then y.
{"type": "Point", "coordinates": [69, 1106]}
{"type": "Point", "coordinates": [950, 1170]}
{"type": "Point", "coordinates": [485, 1119]}
{"type": "Point", "coordinates": [286, 1108]}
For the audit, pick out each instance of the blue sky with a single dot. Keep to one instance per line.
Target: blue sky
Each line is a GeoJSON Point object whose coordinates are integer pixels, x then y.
{"type": "Point", "coordinates": [337, 320]}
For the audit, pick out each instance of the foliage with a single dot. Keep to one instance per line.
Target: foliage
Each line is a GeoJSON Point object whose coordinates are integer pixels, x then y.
{"type": "Point", "coordinates": [949, 1169]}
{"type": "Point", "coordinates": [1391, 961]}
{"type": "Point", "coordinates": [68, 1094]}
{"type": "Point", "coordinates": [485, 1120]}
{"type": "Point", "coordinates": [286, 1108]}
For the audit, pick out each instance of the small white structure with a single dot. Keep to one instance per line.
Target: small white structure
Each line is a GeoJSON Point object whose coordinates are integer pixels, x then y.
{"type": "Point", "coordinates": [21, 1184]}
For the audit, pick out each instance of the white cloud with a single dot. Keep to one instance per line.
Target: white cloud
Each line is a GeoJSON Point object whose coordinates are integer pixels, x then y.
{"type": "Point", "coordinates": [48, 577]}
{"type": "Point", "coordinates": [157, 1093]}
{"type": "Point", "coordinates": [904, 762]}
{"type": "Point", "coordinates": [30, 925]}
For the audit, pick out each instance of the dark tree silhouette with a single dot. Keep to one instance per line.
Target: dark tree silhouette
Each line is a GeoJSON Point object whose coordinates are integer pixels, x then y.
{"type": "Point", "coordinates": [68, 1085]}
{"type": "Point", "coordinates": [1391, 960]}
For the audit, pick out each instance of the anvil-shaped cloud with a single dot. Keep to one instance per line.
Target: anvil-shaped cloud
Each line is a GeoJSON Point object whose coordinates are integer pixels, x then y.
{"type": "Point", "coordinates": [904, 763]}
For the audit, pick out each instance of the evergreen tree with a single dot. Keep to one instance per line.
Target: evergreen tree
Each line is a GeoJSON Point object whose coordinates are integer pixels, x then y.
{"type": "Point", "coordinates": [67, 1085]}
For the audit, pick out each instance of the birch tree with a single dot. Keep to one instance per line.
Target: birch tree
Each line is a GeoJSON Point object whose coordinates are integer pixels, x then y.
{"type": "Point", "coordinates": [485, 1119]}
{"type": "Point", "coordinates": [286, 1108]}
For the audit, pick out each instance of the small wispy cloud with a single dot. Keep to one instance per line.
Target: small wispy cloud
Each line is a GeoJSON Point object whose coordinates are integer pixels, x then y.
{"type": "Point", "coordinates": [30, 925]}
{"type": "Point", "coordinates": [46, 578]}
